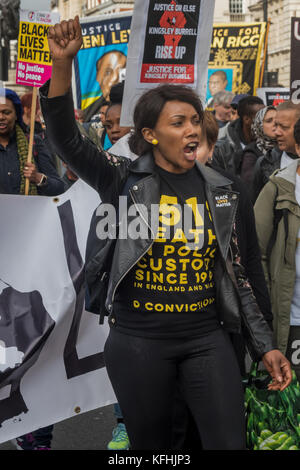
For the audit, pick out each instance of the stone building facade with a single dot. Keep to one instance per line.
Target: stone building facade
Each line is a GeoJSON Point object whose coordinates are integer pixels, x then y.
{"type": "Point", "coordinates": [106, 7]}
{"type": "Point", "coordinates": [230, 11]}
{"type": "Point", "coordinates": [280, 13]}
{"type": "Point", "coordinates": [225, 10]}
{"type": "Point", "coordinates": [70, 8]}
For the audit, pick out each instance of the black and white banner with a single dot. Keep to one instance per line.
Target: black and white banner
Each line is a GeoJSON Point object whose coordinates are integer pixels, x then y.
{"type": "Point", "coordinates": [273, 96]}
{"type": "Point", "coordinates": [51, 349]}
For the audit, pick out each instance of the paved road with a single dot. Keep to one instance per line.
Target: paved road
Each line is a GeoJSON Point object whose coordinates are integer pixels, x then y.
{"type": "Point", "coordinates": [89, 431]}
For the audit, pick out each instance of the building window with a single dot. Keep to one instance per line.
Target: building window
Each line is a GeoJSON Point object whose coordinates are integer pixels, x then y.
{"type": "Point", "coordinates": [236, 10]}
{"type": "Point", "coordinates": [236, 7]}
{"type": "Point", "coordinates": [93, 4]}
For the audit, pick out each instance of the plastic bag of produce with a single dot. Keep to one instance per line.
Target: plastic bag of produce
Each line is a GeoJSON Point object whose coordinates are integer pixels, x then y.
{"type": "Point", "coordinates": [273, 418]}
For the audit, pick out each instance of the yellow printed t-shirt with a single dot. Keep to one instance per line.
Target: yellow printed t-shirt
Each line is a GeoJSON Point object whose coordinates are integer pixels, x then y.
{"type": "Point", "coordinates": [171, 291]}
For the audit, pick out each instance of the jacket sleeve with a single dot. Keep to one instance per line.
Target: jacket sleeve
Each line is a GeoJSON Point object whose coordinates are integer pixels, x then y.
{"type": "Point", "coordinates": [257, 184]}
{"type": "Point", "coordinates": [256, 331]}
{"type": "Point", "coordinates": [247, 167]}
{"type": "Point", "coordinates": [96, 167]}
{"type": "Point", "coordinates": [46, 166]}
{"type": "Point", "coordinates": [264, 220]}
{"type": "Point", "coordinates": [252, 255]}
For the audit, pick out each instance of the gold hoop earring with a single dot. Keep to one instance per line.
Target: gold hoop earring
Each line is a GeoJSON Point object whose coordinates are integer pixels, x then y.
{"type": "Point", "coordinates": [154, 142]}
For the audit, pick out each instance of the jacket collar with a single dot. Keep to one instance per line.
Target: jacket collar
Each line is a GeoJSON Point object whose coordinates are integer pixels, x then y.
{"type": "Point", "coordinates": [288, 173]}
{"type": "Point", "coordinates": [285, 180]}
{"type": "Point", "coordinates": [274, 155]}
{"type": "Point", "coordinates": [145, 164]}
{"type": "Point", "coordinates": [212, 177]}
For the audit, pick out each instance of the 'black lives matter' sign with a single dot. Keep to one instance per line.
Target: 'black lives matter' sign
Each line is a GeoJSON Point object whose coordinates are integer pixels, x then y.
{"type": "Point", "coordinates": [170, 42]}
{"type": "Point", "coordinates": [295, 61]}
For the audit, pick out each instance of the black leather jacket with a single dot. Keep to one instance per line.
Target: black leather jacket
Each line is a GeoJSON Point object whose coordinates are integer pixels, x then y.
{"type": "Point", "coordinates": [265, 166]}
{"type": "Point", "coordinates": [112, 176]}
{"type": "Point", "coordinates": [229, 149]}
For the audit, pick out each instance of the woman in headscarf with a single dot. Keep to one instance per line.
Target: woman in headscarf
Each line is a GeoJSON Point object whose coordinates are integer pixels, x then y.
{"type": "Point", "coordinates": [263, 130]}
{"type": "Point", "coordinates": [14, 143]}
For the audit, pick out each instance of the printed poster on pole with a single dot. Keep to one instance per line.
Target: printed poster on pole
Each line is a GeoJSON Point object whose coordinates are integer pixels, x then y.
{"type": "Point", "coordinates": [101, 61]}
{"type": "Point", "coordinates": [235, 58]}
{"type": "Point", "coordinates": [34, 62]}
{"type": "Point", "coordinates": [169, 43]}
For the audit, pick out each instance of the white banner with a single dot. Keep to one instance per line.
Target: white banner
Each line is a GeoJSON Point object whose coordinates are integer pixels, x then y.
{"type": "Point", "coordinates": [169, 43]}
{"type": "Point", "coordinates": [51, 349]}
{"type": "Point", "coordinates": [273, 96]}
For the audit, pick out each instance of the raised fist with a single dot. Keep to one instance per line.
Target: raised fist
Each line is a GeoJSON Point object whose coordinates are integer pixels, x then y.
{"type": "Point", "coordinates": [65, 39]}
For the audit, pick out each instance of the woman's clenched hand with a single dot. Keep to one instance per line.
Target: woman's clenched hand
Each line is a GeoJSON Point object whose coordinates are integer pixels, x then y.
{"type": "Point", "coordinates": [65, 39]}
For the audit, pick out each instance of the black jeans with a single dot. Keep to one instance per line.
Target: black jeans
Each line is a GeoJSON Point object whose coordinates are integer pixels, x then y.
{"type": "Point", "coordinates": [145, 373]}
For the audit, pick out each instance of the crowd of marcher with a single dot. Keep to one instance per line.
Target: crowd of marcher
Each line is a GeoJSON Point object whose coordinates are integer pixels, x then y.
{"type": "Point", "coordinates": [177, 376]}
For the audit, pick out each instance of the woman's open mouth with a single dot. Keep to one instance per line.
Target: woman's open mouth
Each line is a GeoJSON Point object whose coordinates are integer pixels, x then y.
{"type": "Point", "coordinates": [190, 151]}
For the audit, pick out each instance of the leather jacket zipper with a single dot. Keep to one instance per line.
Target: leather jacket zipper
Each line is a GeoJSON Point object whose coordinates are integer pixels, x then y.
{"type": "Point", "coordinates": [148, 248]}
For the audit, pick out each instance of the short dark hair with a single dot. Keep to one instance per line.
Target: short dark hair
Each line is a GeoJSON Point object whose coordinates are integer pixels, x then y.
{"type": "Point", "coordinates": [116, 93]}
{"type": "Point", "coordinates": [116, 96]}
{"type": "Point", "coordinates": [150, 106]}
{"type": "Point", "coordinates": [245, 105]}
{"type": "Point", "coordinates": [297, 132]}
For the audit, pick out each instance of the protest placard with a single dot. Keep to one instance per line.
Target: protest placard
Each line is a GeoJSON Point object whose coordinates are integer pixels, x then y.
{"type": "Point", "coordinates": [34, 63]}
{"type": "Point", "coordinates": [235, 58]}
{"type": "Point", "coordinates": [169, 43]}
{"type": "Point", "coordinates": [273, 96]}
{"type": "Point", "coordinates": [169, 53]}
{"type": "Point", "coordinates": [101, 61]}
{"type": "Point", "coordinates": [295, 61]}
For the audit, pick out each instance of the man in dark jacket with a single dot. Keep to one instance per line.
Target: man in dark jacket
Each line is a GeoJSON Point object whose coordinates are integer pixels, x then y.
{"type": "Point", "coordinates": [281, 156]}
{"type": "Point", "coordinates": [234, 137]}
